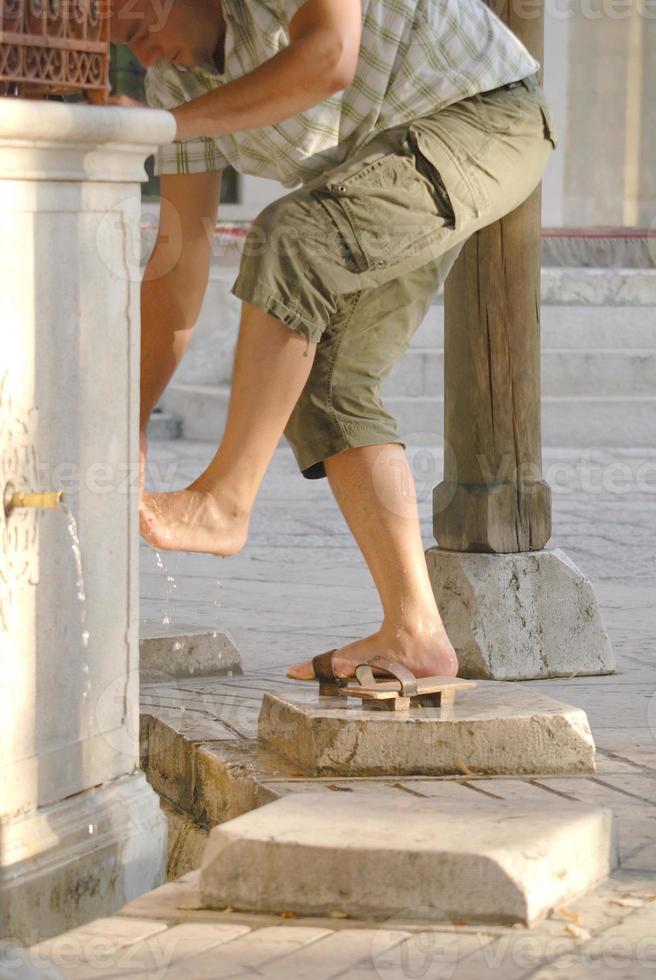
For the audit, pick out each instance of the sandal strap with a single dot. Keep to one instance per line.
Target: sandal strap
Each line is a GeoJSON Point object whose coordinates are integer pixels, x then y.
{"type": "Point", "coordinates": [323, 666]}
{"type": "Point", "coordinates": [405, 677]}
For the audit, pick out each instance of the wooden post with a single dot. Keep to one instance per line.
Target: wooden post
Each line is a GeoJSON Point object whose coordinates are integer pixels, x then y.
{"type": "Point", "coordinates": [493, 498]}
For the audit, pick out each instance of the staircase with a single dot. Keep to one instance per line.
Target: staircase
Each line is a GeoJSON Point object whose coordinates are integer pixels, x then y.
{"type": "Point", "coordinates": [598, 363]}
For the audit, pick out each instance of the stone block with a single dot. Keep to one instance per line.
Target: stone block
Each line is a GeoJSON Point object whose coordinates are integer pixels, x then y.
{"type": "Point", "coordinates": [489, 861]}
{"type": "Point", "coordinates": [519, 616]}
{"type": "Point", "coordinates": [190, 651]}
{"type": "Point", "coordinates": [81, 858]}
{"type": "Point", "coordinates": [495, 728]}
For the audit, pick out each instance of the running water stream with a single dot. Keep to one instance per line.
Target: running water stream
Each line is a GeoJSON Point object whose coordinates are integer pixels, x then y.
{"type": "Point", "coordinates": [71, 525]}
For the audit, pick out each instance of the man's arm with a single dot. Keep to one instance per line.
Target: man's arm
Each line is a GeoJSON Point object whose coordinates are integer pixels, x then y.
{"type": "Point", "coordinates": [320, 59]}
{"type": "Point", "coordinates": [175, 278]}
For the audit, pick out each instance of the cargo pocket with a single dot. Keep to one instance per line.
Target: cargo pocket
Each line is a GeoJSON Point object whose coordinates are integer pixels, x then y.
{"type": "Point", "coordinates": [452, 170]}
{"type": "Point", "coordinates": [388, 210]}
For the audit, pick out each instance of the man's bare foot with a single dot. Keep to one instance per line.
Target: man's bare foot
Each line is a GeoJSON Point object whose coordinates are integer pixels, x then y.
{"type": "Point", "coordinates": [192, 520]}
{"type": "Point", "coordinates": [426, 652]}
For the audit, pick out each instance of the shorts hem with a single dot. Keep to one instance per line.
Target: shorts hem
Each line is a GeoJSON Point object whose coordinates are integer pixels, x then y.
{"type": "Point", "coordinates": [310, 456]}
{"type": "Point", "coordinates": [272, 305]}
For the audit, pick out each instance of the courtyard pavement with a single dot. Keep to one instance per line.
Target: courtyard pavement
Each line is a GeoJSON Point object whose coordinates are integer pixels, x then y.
{"type": "Point", "coordinates": [299, 587]}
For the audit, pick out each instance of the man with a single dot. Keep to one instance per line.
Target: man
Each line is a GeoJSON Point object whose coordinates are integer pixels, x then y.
{"type": "Point", "coordinates": [408, 127]}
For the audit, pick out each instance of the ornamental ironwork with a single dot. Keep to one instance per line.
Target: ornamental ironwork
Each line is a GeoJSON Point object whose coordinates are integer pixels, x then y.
{"type": "Point", "coordinates": [54, 46]}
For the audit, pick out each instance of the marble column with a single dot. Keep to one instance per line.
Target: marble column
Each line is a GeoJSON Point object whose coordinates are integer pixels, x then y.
{"type": "Point", "coordinates": [81, 830]}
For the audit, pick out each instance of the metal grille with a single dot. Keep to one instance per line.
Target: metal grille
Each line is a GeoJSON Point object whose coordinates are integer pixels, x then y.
{"type": "Point", "coordinates": [54, 46]}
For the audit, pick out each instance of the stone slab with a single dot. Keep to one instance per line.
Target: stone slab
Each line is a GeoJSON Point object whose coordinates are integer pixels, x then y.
{"type": "Point", "coordinates": [519, 616]}
{"type": "Point", "coordinates": [489, 861]}
{"type": "Point", "coordinates": [187, 652]}
{"type": "Point", "coordinates": [494, 729]}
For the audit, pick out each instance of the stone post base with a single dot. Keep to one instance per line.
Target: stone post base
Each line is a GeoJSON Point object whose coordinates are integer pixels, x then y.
{"type": "Point", "coordinates": [79, 859]}
{"type": "Point", "coordinates": [519, 616]}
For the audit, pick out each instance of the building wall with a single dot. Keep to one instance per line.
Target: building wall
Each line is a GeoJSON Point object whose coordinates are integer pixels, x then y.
{"type": "Point", "coordinates": [600, 74]}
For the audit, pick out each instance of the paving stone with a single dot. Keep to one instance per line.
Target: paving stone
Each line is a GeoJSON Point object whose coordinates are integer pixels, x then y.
{"type": "Point", "coordinates": [99, 941]}
{"type": "Point", "coordinates": [157, 956]}
{"type": "Point", "coordinates": [626, 951]}
{"type": "Point", "coordinates": [643, 859]}
{"type": "Point", "coordinates": [486, 860]}
{"type": "Point", "coordinates": [192, 724]}
{"type": "Point", "coordinates": [341, 953]}
{"type": "Point", "coordinates": [439, 954]}
{"type": "Point", "coordinates": [494, 728]}
{"type": "Point", "coordinates": [255, 954]}
{"type": "Point", "coordinates": [186, 651]}
{"type": "Point", "coordinates": [635, 819]}
{"type": "Point", "coordinates": [635, 745]}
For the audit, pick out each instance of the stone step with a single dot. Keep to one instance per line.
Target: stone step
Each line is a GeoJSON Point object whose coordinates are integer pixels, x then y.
{"type": "Point", "coordinates": [572, 327]}
{"type": "Point", "coordinates": [438, 858]}
{"type": "Point", "coordinates": [573, 421]}
{"type": "Point", "coordinates": [163, 425]}
{"type": "Point", "coordinates": [564, 372]}
{"type": "Point", "coordinates": [495, 728]}
{"type": "Point", "coordinates": [577, 327]}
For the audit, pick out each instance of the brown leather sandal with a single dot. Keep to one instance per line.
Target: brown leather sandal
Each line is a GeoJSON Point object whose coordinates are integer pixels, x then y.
{"type": "Point", "coordinates": [404, 690]}
{"type": "Point", "coordinates": [324, 672]}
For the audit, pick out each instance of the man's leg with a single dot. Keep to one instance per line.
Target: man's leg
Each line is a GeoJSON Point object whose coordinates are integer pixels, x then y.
{"type": "Point", "coordinates": [375, 490]}
{"type": "Point", "coordinates": [212, 514]}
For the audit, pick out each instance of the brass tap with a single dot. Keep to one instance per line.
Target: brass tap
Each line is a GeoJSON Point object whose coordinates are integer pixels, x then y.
{"type": "Point", "coordinates": [51, 499]}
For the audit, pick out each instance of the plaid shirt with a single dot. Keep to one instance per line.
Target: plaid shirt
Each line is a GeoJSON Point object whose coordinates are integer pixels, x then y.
{"type": "Point", "coordinates": [416, 56]}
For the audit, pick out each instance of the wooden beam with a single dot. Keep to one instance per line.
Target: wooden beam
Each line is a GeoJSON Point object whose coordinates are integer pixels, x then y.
{"type": "Point", "coordinates": [493, 498]}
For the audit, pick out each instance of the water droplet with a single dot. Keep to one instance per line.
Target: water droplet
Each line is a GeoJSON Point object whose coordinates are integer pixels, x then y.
{"type": "Point", "coordinates": [170, 586]}
{"type": "Point", "coordinates": [91, 828]}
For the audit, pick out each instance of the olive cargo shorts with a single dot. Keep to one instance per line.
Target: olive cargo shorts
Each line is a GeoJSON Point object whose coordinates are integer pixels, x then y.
{"type": "Point", "coordinates": [352, 259]}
